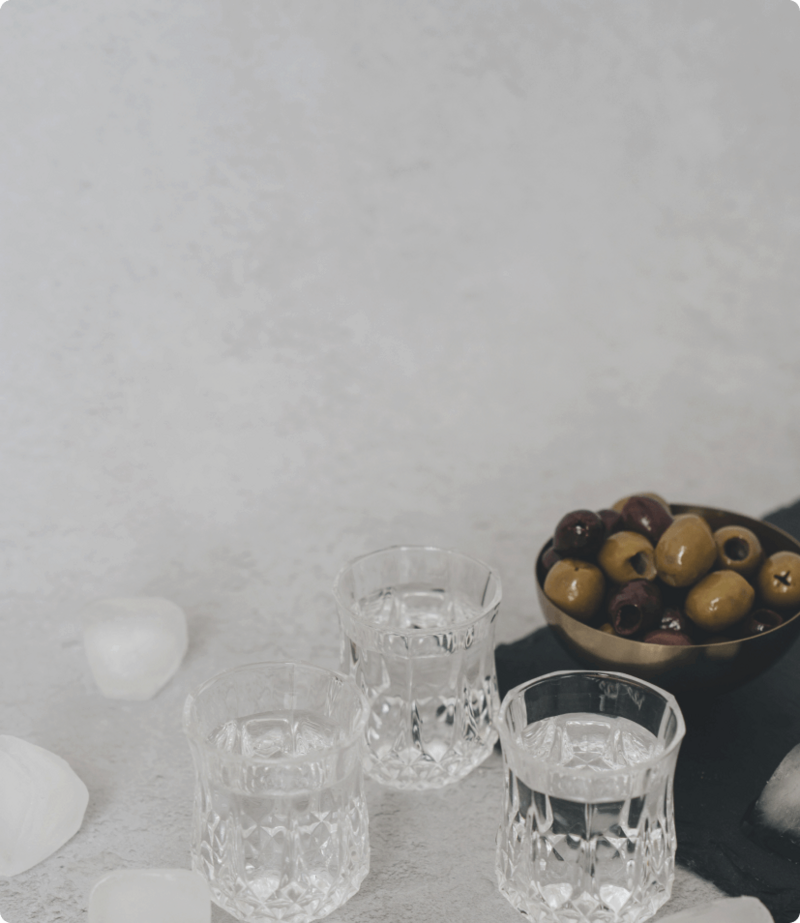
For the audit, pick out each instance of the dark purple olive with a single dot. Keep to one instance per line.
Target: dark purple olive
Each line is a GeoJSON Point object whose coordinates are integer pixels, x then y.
{"type": "Point", "coordinates": [549, 558]}
{"type": "Point", "coordinates": [660, 636]}
{"type": "Point", "coordinates": [645, 516]}
{"type": "Point", "coordinates": [635, 608]}
{"type": "Point", "coordinates": [611, 520]}
{"type": "Point", "coordinates": [579, 534]}
{"type": "Point", "coordinates": [673, 619]}
{"type": "Point", "coordinates": [758, 622]}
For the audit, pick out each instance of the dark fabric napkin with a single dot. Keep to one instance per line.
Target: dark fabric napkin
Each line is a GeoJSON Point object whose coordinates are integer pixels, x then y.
{"type": "Point", "coordinates": [733, 744]}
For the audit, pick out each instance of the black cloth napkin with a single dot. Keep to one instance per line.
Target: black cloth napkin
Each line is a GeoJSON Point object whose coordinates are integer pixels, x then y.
{"type": "Point", "coordinates": [733, 744]}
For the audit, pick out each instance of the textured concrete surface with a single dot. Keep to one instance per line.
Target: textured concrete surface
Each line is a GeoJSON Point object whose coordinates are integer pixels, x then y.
{"type": "Point", "coordinates": [281, 283]}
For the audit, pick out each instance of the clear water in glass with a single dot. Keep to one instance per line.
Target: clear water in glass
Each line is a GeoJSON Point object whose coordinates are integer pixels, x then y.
{"type": "Point", "coordinates": [431, 708]}
{"type": "Point", "coordinates": [423, 654]}
{"type": "Point", "coordinates": [281, 824]}
{"type": "Point", "coordinates": [588, 830]}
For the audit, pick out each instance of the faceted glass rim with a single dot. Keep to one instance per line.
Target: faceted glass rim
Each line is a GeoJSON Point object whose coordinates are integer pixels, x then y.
{"type": "Point", "coordinates": [486, 608]}
{"type": "Point", "coordinates": [190, 720]}
{"type": "Point", "coordinates": [507, 739]}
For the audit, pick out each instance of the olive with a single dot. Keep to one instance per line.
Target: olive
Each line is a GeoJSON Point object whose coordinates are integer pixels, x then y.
{"type": "Point", "coordinates": [608, 628]}
{"type": "Point", "coordinates": [760, 621]}
{"type": "Point", "coordinates": [549, 558]}
{"type": "Point", "coordinates": [645, 516]}
{"type": "Point", "coordinates": [620, 503]}
{"type": "Point", "coordinates": [579, 534]}
{"type": "Point", "coordinates": [575, 586]}
{"type": "Point", "coordinates": [635, 608]}
{"type": "Point", "coordinates": [612, 520]}
{"type": "Point", "coordinates": [662, 636]}
{"type": "Point", "coordinates": [738, 549]}
{"type": "Point", "coordinates": [673, 619]}
{"type": "Point", "coordinates": [626, 556]}
{"type": "Point", "coordinates": [779, 580]}
{"type": "Point", "coordinates": [686, 551]}
{"type": "Point", "coordinates": [720, 600]}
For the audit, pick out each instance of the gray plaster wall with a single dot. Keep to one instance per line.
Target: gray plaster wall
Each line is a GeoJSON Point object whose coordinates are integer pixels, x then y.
{"type": "Point", "coordinates": [285, 282]}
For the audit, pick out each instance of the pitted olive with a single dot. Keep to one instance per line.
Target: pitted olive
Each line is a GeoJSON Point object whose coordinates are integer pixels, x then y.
{"type": "Point", "coordinates": [779, 580]}
{"type": "Point", "coordinates": [686, 551]}
{"type": "Point", "coordinates": [738, 549]}
{"type": "Point", "coordinates": [719, 600]}
{"type": "Point", "coordinates": [579, 534]}
{"type": "Point", "coordinates": [575, 586]}
{"type": "Point", "coordinates": [626, 556]}
{"type": "Point", "coordinates": [635, 608]}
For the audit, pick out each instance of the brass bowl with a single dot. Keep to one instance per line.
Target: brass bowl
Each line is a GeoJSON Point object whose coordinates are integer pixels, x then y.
{"type": "Point", "coordinates": [702, 667]}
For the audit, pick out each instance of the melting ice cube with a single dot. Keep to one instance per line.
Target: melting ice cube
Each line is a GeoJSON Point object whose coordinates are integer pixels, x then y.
{"type": "Point", "coordinates": [134, 645]}
{"type": "Point", "coordinates": [726, 910]}
{"type": "Point", "coordinates": [42, 803]}
{"type": "Point", "coordinates": [774, 819]}
{"type": "Point", "coordinates": [150, 896]}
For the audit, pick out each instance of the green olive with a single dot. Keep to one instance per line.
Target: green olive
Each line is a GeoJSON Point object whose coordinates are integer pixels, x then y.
{"type": "Point", "coordinates": [738, 549]}
{"type": "Point", "coordinates": [626, 556]}
{"type": "Point", "coordinates": [719, 600]}
{"type": "Point", "coordinates": [575, 586]}
{"type": "Point", "coordinates": [686, 551]}
{"type": "Point", "coordinates": [779, 580]}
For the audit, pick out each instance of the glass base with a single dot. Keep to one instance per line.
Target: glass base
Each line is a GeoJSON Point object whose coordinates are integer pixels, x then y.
{"type": "Point", "coordinates": [416, 771]}
{"type": "Point", "coordinates": [582, 911]}
{"type": "Point", "coordinates": [287, 910]}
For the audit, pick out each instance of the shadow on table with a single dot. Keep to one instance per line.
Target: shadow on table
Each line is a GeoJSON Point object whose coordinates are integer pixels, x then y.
{"type": "Point", "coordinates": [732, 746]}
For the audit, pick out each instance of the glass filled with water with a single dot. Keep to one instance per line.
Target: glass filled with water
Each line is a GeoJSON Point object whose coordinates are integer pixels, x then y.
{"type": "Point", "coordinates": [280, 816]}
{"type": "Point", "coordinates": [588, 828]}
{"type": "Point", "coordinates": [418, 638]}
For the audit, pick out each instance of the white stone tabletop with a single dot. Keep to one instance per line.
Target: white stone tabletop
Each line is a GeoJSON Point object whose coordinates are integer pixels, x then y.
{"type": "Point", "coordinates": [285, 282]}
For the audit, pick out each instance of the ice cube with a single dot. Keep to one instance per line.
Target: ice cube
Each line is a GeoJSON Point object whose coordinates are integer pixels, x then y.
{"type": "Point", "coordinates": [774, 819]}
{"type": "Point", "coordinates": [150, 896]}
{"type": "Point", "coordinates": [42, 803]}
{"type": "Point", "coordinates": [134, 645]}
{"type": "Point", "coordinates": [725, 910]}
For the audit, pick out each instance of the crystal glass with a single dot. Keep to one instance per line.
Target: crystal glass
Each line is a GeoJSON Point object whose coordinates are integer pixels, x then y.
{"type": "Point", "coordinates": [280, 817]}
{"type": "Point", "coordinates": [418, 638]}
{"type": "Point", "coordinates": [588, 831]}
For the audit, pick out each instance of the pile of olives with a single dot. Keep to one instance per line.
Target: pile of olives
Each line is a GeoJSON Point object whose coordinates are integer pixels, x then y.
{"type": "Point", "coordinates": [638, 572]}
